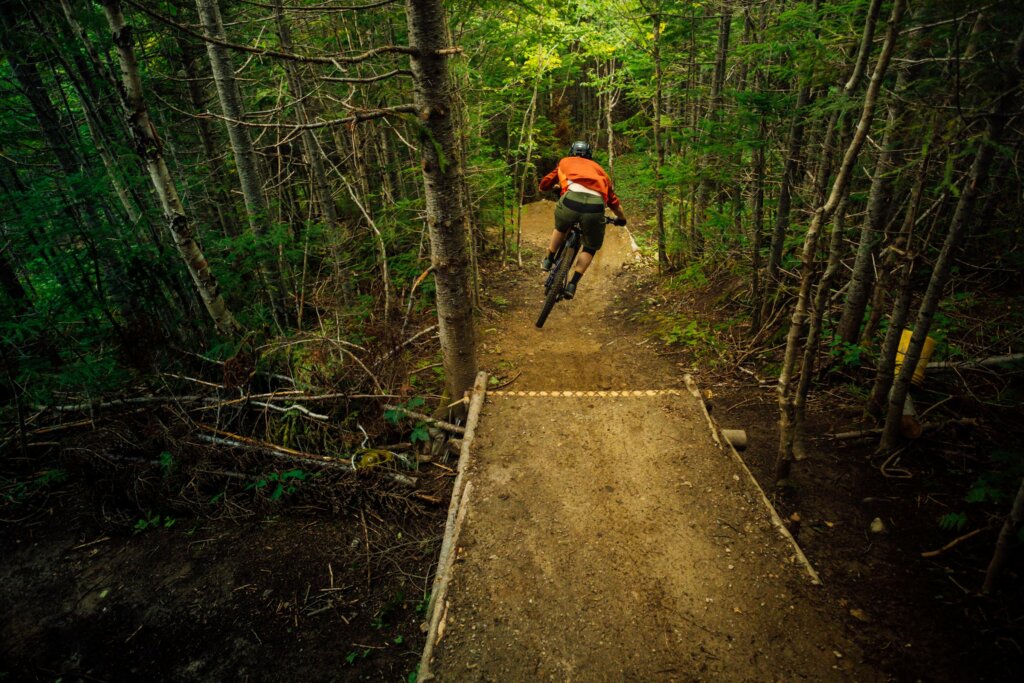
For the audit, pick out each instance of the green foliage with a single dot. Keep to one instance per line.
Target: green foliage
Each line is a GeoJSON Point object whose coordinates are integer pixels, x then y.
{"type": "Point", "coordinates": [995, 486]}
{"type": "Point", "coordinates": [352, 655]}
{"type": "Point", "coordinates": [845, 355]}
{"type": "Point", "coordinates": [167, 464]}
{"type": "Point", "coordinates": [17, 491]}
{"type": "Point", "coordinates": [953, 521]}
{"type": "Point", "coordinates": [150, 522]}
{"type": "Point", "coordinates": [280, 484]}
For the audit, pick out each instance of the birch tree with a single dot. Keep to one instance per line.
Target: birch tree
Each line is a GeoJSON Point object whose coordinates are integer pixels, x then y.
{"type": "Point", "coordinates": [150, 149]}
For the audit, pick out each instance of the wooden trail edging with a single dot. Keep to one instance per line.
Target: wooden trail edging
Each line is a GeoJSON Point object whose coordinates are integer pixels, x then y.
{"type": "Point", "coordinates": [775, 519]}
{"type": "Point", "coordinates": [437, 607]}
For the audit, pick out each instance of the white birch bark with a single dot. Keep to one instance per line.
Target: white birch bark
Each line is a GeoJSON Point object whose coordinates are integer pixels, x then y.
{"type": "Point", "coordinates": [149, 148]}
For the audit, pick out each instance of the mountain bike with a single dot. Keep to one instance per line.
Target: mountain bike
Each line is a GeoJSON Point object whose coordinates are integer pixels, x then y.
{"type": "Point", "coordinates": [558, 276]}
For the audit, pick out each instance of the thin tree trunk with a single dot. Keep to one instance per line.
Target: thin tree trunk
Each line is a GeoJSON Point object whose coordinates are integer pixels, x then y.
{"type": "Point", "coordinates": [863, 276]}
{"type": "Point", "coordinates": [148, 147]}
{"type": "Point", "coordinates": [231, 106]}
{"type": "Point", "coordinates": [814, 323]}
{"type": "Point", "coordinates": [957, 227]}
{"type": "Point", "coordinates": [659, 148]}
{"type": "Point", "coordinates": [708, 186]}
{"type": "Point", "coordinates": [442, 175]}
{"type": "Point", "coordinates": [757, 228]}
{"type": "Point", "coordinates": [1006, 535]}
{"type": "Point", "coordinates": [223, 206]}
{"type": "Point", "coordinates": [314, 155]}
{"type": "Point", "coordinates": [526, 132]}
{"type": "Point", "coordinates": [901, 305]}
{"type": "Point", "coordinates": [787, 402]}
{"type": "Point", "coordinates": [785, 200]}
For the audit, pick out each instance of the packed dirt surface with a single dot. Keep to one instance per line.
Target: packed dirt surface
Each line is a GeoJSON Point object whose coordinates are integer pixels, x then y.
{"type": "Point", "coordinates": [608, 537]}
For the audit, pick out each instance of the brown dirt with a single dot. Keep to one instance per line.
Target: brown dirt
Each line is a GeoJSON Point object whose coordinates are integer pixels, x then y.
{"type": "Point", "coordinates": [608, 538]}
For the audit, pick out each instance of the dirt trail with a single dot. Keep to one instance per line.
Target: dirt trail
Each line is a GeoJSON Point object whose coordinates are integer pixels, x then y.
{"type": "Point", "coordinates": [608, 537]}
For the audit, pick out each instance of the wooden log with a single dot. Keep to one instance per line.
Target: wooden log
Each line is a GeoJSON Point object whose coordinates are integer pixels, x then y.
{"type": "Point", "coordinates": [773, 516]}
{"type": "Point", "coordinates": [737, 438]}
{"type": "Point", "coordinates": [456, 511]}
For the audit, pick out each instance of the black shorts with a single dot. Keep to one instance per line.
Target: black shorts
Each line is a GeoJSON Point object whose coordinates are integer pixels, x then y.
{"type": "Point", "coordinates": [588, 210]}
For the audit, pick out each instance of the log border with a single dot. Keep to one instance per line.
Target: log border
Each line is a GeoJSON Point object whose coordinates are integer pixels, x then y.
{"type": "Point", "coordinates": [773, 515]}
{"type": "Point", "coordinates": [457, 508]}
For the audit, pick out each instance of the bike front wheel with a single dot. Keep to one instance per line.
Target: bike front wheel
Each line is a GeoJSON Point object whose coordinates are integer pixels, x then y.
{"type": "Point", "coordinates": [561, 275]}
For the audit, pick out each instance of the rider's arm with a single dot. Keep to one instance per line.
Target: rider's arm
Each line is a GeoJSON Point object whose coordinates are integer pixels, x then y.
{"type": "Point", "coordinates": [614, 205]}
{"type": "Point", "coordinates": [547, 181]}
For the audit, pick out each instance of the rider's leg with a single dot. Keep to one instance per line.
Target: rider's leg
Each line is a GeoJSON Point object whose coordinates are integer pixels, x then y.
{"type": "Point", "coordinates": [593, 237]}
{"type": "Point", "coordinates": [556, 241]}
{"type": "Point", "coordinates": [583, 261]}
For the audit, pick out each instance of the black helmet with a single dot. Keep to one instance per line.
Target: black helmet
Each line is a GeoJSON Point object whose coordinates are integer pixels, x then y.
{"type": "Point", "coordinates": [581, 149]}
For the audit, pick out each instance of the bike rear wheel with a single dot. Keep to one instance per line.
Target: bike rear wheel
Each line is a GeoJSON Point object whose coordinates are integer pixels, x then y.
{"type": "Point", "coordinates": [561, 274]}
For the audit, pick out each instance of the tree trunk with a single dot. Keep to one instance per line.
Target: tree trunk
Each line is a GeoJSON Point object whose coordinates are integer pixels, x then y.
{"type": "Point", "coordinates": [708, 186]}
{"type": "Point", "coordinates": [148, 147]}
{"type": "Point", "coordinates": [1006, 535]}
{"type": "Point", "coordinates": [863, 276]}
{"type": "Point", "coordinates": [659, 149]}
{"type": "Point", "coordinates": [940, 273]}
{"type": "Point", "coordinates": [231, 106]}
{"type": "Point", "coordinates": [314, 155]}
{"type": "Point", "coordinates": [442, 175]}
{"type": "Point", "coordinates": [222, 205]}
{"type": "Point", "coordinates": [785, 200]}
{"type": "Point", "coordinates": [757, 228]}
{"type": "Point", "coordinates": [787, 402]}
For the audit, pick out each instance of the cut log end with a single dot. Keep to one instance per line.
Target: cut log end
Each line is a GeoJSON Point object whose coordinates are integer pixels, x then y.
{"type": "Point", "coordinates": [737, 438]}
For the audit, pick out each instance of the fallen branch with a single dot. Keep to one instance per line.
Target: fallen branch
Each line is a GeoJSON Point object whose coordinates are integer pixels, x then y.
{"type": "Point", "coordinates": [955, 542]}
{"type": "Point", "coordinates": [441, 424]}
{"type": "Point", "coordinates": [223, 438]}
{"type": "Point", "coordinates": [408, 341]}
{"type": "Point", "coordinates": [978, 362]}
{"type": "Point", "coordinates": [285, 409]}
{"type": "Point", "coordinates": [121, 403]}
{"type": "Point", "coordinates": [926, 427]}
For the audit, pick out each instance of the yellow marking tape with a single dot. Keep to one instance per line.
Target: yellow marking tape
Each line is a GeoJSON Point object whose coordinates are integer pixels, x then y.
{"type": "Point", "coordinates": [631, 393]}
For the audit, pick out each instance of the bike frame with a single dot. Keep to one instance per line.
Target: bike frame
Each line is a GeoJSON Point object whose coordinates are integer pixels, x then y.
{"type": "Point", "coordinates": [573, 239]}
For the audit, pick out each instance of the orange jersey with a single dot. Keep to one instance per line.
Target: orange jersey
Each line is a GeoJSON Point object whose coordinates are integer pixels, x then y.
{"type": "Point", "coordinates": [587, 173]}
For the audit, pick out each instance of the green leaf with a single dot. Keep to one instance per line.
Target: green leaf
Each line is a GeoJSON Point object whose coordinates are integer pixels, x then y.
{"type": "Point", "coordinates": [420, 433]}
{"type": "Point", "coordinates": [953, 521]}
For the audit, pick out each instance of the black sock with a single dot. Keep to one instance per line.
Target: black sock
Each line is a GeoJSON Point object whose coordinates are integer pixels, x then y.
{"type": "Point", "coordinates": [575, 277]}
{"type": "Point", "coordinates": [551, 255]}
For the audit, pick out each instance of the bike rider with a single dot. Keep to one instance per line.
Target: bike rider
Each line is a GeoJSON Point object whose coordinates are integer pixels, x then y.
{"type": "Point", "coordinates": [586, 189]}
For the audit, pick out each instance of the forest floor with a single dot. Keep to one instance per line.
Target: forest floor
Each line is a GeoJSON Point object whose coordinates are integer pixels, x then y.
{"type": "Point", "coordinates": [315, 588]}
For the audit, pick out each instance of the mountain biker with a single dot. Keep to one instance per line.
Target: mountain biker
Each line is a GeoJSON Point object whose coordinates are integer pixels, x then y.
{"type": "Point", "coordinates": [586, 189]}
